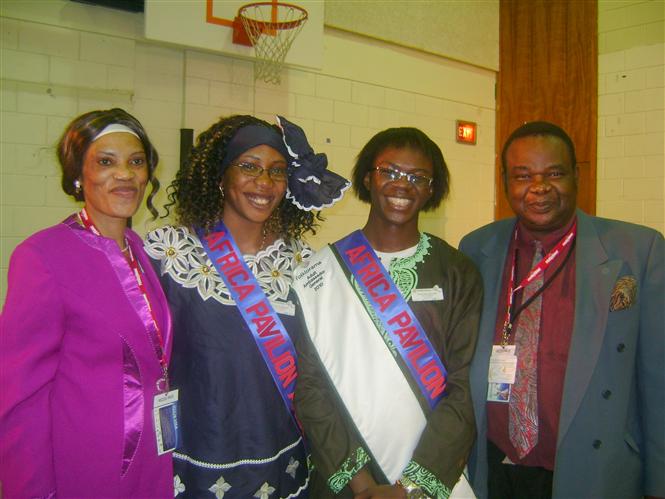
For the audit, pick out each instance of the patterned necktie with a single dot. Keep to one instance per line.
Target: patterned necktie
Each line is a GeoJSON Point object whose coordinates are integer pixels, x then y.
{"type": "Point", "coordinates": [523, 406]}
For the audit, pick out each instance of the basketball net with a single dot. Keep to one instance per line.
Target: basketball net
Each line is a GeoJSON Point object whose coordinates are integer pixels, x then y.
{"type": "Point", "coordinates": [271, 27]}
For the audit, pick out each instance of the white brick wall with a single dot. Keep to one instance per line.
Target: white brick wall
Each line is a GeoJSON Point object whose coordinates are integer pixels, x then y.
{"type": "Point", "coordinates": [315, 108]}
{"type": "Point", "coordinates": [631, 131]}
{"type": "Point", "coordinates": [53, 69]}
{"type": "Point", "coordinates": [48, 40]}
{"type": "Point", "coordinates": [371, 95]}
{"type": "Point", "coordinates": [107, 50]}
{"type": "Point", "coordinates": [23, 66]}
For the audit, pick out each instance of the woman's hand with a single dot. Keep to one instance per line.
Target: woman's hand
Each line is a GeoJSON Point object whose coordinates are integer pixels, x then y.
{"type": "Point", "coordinates": [364, 486]}
{"type": "Point", "coordinates": [382, 491]}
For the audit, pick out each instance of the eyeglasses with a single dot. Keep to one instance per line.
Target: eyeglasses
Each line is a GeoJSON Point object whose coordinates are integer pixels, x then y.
{"type": "Point", "coordinates": [251, 170]}
{"type": "Point", "coordinates": [393, 175]}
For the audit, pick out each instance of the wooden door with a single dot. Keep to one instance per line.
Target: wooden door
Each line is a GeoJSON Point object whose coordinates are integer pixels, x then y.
{"type": "Point", "coordinates": [548, 70]}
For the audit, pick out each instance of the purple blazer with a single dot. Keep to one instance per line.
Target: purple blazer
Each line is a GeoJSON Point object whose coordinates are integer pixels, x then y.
{"type": "Point", "coordinates": [78, 370]}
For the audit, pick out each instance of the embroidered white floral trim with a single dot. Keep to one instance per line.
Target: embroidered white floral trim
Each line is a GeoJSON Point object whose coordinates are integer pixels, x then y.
{"type": "Point", "coordinates": [297, 493]}
{"type": "Point", "coordinates": [178, 486]}
{"type": "Point", "coordinates": [182, 257]}
{"type": "Point", "coordinates": [292, 467]}
{"type": "Point", "coordinates": [264, 492]}
{"type": "Point", "coordinates": [242, 462]}
{"type": "Point", "coordinates": [220, 487]}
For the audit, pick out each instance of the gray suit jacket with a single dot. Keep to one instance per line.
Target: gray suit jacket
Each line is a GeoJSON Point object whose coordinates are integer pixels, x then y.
{"type": "Point", "coordinates": [611, 440]}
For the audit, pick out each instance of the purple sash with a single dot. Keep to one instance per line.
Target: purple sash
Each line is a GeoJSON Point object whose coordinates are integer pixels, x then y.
{"type": "Point", "coordinates": [395, 315]}
{"type": "Point", "coordinates": [263, 322]}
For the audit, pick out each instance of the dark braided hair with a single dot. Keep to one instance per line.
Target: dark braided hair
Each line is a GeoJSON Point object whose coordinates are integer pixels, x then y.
{"type": "Point", "coordinates": [195, 193]}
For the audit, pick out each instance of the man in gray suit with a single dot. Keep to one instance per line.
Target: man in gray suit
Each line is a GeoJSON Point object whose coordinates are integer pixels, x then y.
{"type": "Point", "coordinates": [568, 378]}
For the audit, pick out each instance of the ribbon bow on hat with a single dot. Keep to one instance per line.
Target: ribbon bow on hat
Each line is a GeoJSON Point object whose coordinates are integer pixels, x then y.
{"type": "Point", "coordinates": [311, 186]}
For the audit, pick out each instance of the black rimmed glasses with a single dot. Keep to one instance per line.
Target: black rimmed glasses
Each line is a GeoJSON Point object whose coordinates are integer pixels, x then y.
{"type": "Point", "coordinates": [393, 175]}
{"type": "Point", "coordinates": [275, 173]}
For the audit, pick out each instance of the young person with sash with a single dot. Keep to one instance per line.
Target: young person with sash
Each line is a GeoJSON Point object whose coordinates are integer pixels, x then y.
{"type": "Point", "coordinates": [86, 334]}
{"type": "Point", "coordinates": [243, 200]}
{"type": "Point", "coordinates": [392, 315]}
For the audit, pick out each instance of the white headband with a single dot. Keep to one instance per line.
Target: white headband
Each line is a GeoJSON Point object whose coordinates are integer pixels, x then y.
{"type": "Point", "coordinates": [115, 128]}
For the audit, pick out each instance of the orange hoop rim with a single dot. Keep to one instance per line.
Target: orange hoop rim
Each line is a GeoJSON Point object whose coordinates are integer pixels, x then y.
{"type": "Point", "coordinates": [273, 25]}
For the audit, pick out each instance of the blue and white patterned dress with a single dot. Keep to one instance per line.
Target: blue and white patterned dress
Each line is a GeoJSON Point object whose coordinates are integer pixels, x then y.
{"type": "Point", "coordinates": [237, 438]}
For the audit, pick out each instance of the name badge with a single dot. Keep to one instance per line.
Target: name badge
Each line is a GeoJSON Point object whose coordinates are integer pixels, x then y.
{"type": "Point", "coordinates": [427, 294]}
{"type": "Point", "coordinates": [165, 413]}
{"type": "Point", "coordinates": [501, 373]}
{"type": "Point", "coordinates": [284, 307]}
{"type": "Point", "coordinates": [498, 392]}
{"type": "Point", "coordinates": [503, 364]}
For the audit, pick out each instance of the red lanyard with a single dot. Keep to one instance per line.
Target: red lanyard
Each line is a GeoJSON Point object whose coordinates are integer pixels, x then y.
{"type": "Point", "coordinates": [162, 384]}
{"type": "Point", "coordinates": [540, 268]}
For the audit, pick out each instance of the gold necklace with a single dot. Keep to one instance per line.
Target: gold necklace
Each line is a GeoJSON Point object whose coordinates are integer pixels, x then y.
{"type": "Point", "coordinates": [264, 233]}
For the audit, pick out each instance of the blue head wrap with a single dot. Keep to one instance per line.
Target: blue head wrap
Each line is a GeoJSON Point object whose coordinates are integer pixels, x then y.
{"type": "Point", "coordinates": [251, 136]}
{"type": "Point", "coordinates": [310, 185]}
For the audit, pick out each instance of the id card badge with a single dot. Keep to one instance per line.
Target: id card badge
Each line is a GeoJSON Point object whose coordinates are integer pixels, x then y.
{"type": "Point", "coordinates": [503, 364]}
{"type": "Point", "coordinates": [165, 413]}
{"type": "Point", "coordinates": [427, 294]}
{"type": "Point", "coordinates": [501, 373]}
{"type": "Point", "coordinates": [498, 392]}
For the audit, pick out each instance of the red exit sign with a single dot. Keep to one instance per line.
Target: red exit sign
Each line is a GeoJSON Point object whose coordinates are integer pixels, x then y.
{"type": "Point", "coordinates": [466, 132]}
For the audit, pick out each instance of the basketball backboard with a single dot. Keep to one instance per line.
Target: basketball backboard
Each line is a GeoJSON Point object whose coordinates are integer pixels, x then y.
{"type": "Point", "coordinates": [208, 25]}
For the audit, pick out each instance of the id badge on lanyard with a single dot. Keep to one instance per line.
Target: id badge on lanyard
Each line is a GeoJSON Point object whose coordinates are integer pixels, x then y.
{"type": "Point", "coordinates": [165, 415]}
{"type": "Point", "coordinates": [503, 361]}
{"type": "Point", "coordinates": [165, 403]}
{"type": "Point", "coordinates": [501, 375]}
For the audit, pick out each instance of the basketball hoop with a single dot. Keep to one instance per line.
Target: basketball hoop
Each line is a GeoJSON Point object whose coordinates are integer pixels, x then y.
{"type": "Point", "coordinates": [270, 27]}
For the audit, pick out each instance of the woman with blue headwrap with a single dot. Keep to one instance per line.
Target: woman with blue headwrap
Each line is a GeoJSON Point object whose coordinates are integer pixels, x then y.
{"type": "Point", "coordinates": [243, 200]}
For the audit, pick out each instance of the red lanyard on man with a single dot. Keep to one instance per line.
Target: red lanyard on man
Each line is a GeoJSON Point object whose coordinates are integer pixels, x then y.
{"type": "Point", "coordinates": [543, 265]}
{"type": "Point", "coordinates": [162, 384]}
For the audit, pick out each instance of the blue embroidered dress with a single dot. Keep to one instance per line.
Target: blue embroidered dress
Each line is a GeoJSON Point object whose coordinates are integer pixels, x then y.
{"type": "Point", "coordinates": [237, 438]}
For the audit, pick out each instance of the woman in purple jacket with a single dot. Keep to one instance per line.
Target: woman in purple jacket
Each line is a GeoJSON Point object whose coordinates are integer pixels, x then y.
{"type": "Point", "coordinates": [85, 334]}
